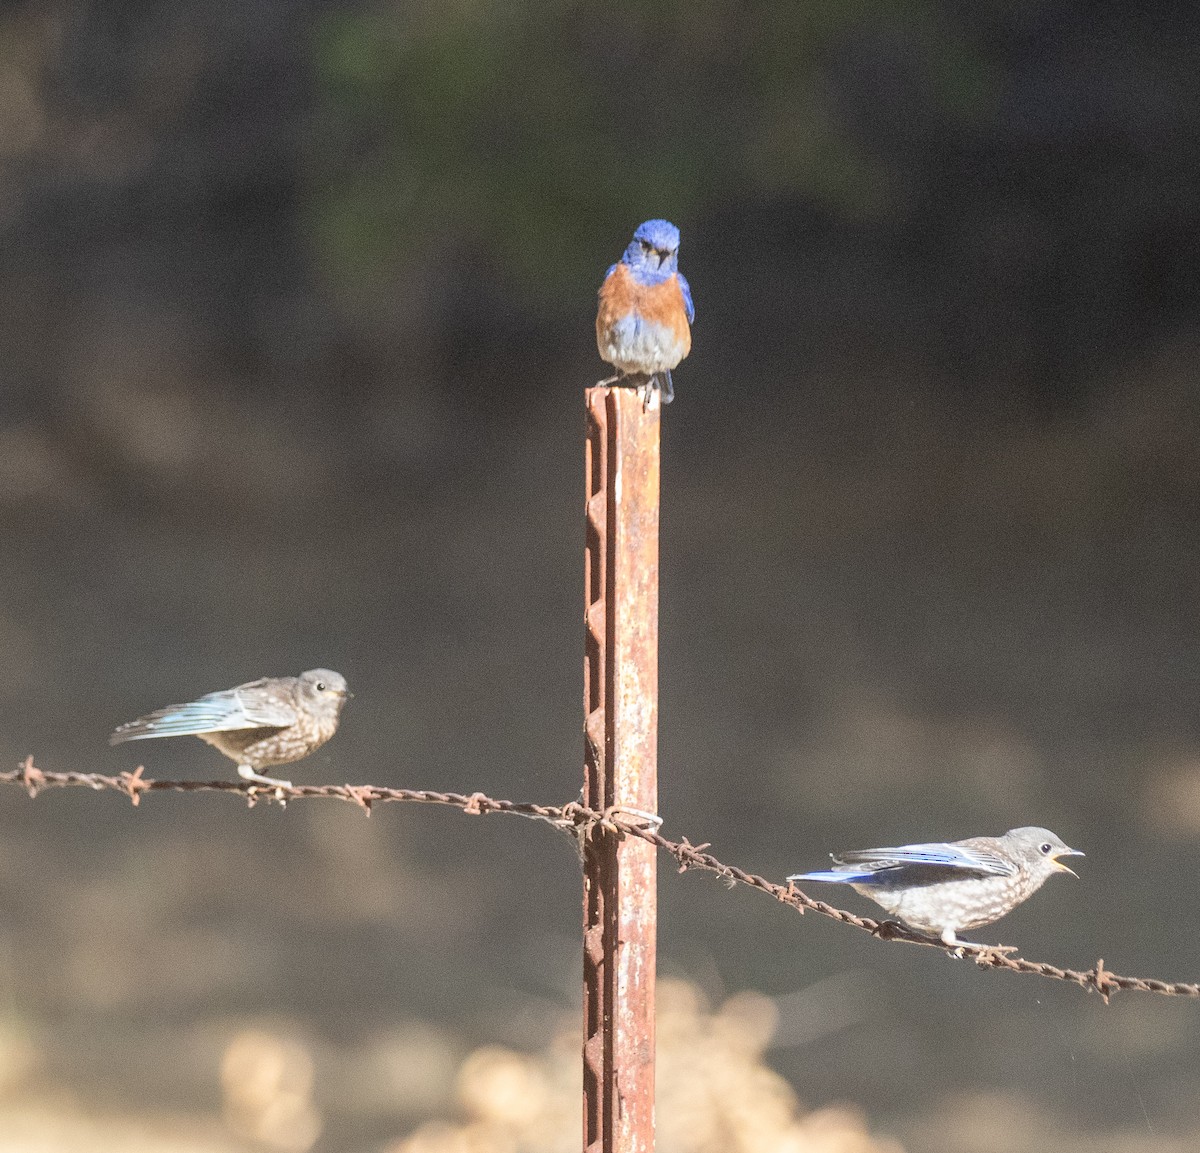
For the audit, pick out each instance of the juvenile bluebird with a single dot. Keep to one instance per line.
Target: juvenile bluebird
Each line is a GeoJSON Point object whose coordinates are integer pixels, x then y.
{"type": "Point", "coordinates": [643, 323]}
{"type": "Point", "coordinates": [943, 887]}
{"type": "Point", "coordinates": [271, 721]}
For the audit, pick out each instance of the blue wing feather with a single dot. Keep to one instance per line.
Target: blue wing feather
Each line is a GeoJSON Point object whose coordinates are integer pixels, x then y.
{"type": "Point", "coordinates": [861, 866]}
{"type": "Point", "coordinates": [942, 855]}
{"type": "Point", "coordinates": [246, 707]}
{"type": "Point", "coordinates": [685, 288]}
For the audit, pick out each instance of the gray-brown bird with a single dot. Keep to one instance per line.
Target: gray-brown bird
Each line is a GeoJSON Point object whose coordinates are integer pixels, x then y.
{"type": "Point", "coordinates": [943, 887]}
{"type": "Point", "coordinates": [271, 721]}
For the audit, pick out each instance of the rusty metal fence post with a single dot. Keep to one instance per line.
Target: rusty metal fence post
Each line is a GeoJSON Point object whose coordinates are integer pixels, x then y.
{"type": "Point", "coordinates": [620, 674]}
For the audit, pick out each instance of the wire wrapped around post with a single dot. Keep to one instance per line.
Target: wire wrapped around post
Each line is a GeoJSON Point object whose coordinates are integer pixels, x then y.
{"type": "Point", "coordinates": [620, 672]}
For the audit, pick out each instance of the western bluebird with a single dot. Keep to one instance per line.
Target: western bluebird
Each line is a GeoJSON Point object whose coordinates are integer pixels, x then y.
{"type": "Point", "coordinates": [271, 721]}
{"type": "Point", "coordinates": [943, 887]}
{"type": "Point", "coordinates": [645, 313]}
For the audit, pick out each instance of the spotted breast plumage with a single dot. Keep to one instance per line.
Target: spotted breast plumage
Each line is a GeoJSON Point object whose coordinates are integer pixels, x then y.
{"type": "Point", "coordinates": [271, 721]}
{"type": "Point", "coordinates": [643, 322]}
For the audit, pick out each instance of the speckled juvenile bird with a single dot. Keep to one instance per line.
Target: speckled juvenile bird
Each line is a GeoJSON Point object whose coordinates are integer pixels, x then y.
{"type": "Point", "coordinates": [645, 312]}
{"type": "Point", "coordinates": [941, 888]}
{"type": "Point", "coordinates": [271, 721]}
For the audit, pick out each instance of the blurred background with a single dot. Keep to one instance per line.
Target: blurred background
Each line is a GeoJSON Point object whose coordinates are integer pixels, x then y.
{"type": "Point", "coordinates": [296, 306]}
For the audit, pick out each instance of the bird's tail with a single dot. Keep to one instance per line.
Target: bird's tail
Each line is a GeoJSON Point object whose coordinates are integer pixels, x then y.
{"type": "Point", "coordinates": [835, 878]}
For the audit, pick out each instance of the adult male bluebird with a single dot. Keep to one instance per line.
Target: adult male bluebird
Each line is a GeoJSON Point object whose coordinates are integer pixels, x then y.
{"type": "Point", "coordinates": [271, 721]}
{"type": "Point", "coordinates": [943, 887]}
{"type": "Point", "coordinates": [643, 323]}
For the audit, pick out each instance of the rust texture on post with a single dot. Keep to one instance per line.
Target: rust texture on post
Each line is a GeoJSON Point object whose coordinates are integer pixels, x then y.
{"type": "Point", "coordinates": [620, 675]}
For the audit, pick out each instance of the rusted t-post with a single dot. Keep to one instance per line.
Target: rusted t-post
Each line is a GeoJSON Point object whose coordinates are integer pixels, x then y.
{"type": "Point", "coordinates": [620, 679]}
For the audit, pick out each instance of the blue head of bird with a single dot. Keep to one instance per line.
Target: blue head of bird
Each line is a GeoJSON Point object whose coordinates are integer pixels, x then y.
{"type": "Point", "coordinates": [653, 253]}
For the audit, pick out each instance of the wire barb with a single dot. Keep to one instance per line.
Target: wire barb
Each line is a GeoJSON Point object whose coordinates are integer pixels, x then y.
{"type": "Point", "coordinates": [581, 821]}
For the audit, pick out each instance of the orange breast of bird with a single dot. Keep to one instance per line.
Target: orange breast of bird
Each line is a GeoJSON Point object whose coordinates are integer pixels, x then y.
{"type": "Point", "coordinates": [659, 311]}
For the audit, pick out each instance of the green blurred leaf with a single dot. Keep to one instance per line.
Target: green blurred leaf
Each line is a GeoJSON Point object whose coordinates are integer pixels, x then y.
{"type": "Point", "coordinates": [536, 130]}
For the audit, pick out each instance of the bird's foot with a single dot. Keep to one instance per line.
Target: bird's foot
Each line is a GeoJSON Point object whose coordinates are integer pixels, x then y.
{"type": "Point", "coordinates": [651, 393]}
{"type": "Point", "coordinates": [977, 949]}
{"type": "Point", "coordinates": [248, 774]}
{"type": "Point", "coordinates": [652, 389]}
{"type": "Point", "coordinates": [982, 954]}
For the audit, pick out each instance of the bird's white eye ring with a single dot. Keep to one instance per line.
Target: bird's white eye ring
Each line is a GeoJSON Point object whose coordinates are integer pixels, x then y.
{"type": "Point", "coordinates": [321, 689]}
{"type": "Point", "coordinates": [1045, 847]}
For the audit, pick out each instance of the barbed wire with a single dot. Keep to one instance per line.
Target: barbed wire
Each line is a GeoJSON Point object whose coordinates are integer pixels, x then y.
{"type": "Point", "coordinates": [581, 822]}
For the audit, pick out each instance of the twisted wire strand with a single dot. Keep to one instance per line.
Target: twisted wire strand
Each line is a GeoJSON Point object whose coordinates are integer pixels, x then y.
{"type": "Point", "coordinates": [581, 822]}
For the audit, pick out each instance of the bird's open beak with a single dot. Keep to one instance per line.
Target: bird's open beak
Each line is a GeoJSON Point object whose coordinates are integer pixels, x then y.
{"type": "Point", "coordinates": [1067, 853]}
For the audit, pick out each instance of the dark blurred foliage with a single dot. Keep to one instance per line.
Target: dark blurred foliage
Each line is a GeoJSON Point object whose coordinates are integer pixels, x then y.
{"type": "Point", "coordinates": [296, 307]}
{"type": "Point", "coordinates": [1022, 173]}
{"type": "Point", "coordinates": [530, 132]}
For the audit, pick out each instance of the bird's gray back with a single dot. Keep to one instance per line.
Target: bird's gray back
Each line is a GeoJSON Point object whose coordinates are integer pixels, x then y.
{"type": "Point", "coordinates": [268, 701]}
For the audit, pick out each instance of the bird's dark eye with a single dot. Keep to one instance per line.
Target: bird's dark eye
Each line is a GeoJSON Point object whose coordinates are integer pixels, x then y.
{"type": "Point", "coordinates": [1045, 846]}
{"type": "Point", "coordinates": [321, 689]}
{"type": "Point", "coordinates": [646, 246]}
